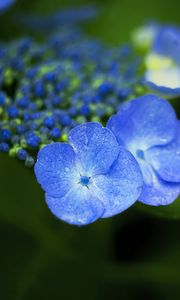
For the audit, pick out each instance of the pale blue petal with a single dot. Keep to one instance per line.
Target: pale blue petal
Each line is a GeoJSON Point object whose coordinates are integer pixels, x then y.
{"type": "Point", "coordinates": [121, 186]}
{"type": "Point", "coordinates": [160, 192]}
{"type": "Point", "coordinates": [164, 81]}
{"type": "Point", "coordinates": [166, 160]}
{"type": "Point", "coordinates": [167, 42]}
{"type": "Point", "coordinates": [156, 191]}
{"type": "Point", "coordinates": [147, 171]}
{"type": "Point", "coordinates": [95, 146]}
{"type": "Point", "coordinates": [142, 123]}
{"type": "Point", "coordinates": [55, 169]}
{"type": "Point", "coordinates": [77, 207]}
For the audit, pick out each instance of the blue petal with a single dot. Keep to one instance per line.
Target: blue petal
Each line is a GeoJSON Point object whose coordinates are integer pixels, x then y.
{"type": "Point", "coordinates": [142, 123]}
{"type": "Point", "coordinates": [156, 191]}
{"type": "Point", "coordinates": [167, 43]}
{"type": "Point", "coordinates": [55, 169]}
{"type": "Point", "coordinates": [121, 186]}
{"type": "Point", "coordinates": [166, 159]}
{"type": "Point", "coordinates": [77, 207]}
{"type": "Point", "coordinates": [160, 192]}
{"type": "Point", "coordinates": [165, 81]}
{"type": "Point", "coordinates": [96, 147]}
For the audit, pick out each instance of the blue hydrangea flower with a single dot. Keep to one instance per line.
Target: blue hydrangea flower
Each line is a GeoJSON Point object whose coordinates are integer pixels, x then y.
{"type": "Point", "coordinates": [35, 79]}
{"type": "Point", "coordinates": [149, 129]}
{"type": "Point", "coordinates": [92, 177]}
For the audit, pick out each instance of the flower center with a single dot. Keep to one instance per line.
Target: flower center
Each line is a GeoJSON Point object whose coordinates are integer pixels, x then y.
{"type": "Point", "coordinates": [84, 180]}
{"type": "Point", "coordinates": [140, 154]}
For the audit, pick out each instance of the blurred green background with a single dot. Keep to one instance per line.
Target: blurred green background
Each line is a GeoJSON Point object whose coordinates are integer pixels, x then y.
{"type": "Point", "coordinates": [135, 255]}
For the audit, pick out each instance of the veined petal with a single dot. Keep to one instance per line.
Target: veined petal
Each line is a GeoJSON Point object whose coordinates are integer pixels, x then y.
{"type": "Point", "coordinates": [95, 146]}
{"type": "Point", "coordinates": [166, 160]}
{"type": "Point", "coordinates": [142, 123]}
{"type": "Point", "coordinates": [55, 169]}
{"type": "Point", "coordinates": [78, 206]}
{"type": "Point", "coordinates": [160, 192]}
{"type": "Point", "coordinates": [121, 186]}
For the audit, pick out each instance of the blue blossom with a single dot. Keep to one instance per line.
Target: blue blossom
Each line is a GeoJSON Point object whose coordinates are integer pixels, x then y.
{"type": "Point", "coordinates": [66, 80]}
{"type": "Point", "coordinates": [165, 81]}
{"type": "Point", "coordinates": [163, 61]}
{"type": "Point", "coordinates": [148, 127]}
{"type": "Point", "coordinates": [92, 177]}
{"type": "Point", "coordinates": [167, 43]}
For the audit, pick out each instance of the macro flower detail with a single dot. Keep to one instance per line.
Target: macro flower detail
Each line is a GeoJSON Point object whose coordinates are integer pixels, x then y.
{"type": "Point", "coordinates": [48, 88]}
{"type": "Point", "coordinates": [162, 60]}
{"type": "Point", "coordinates": [92, 177]}
{"type": "Point", "coordinates": [148, 127]}
{"type": "Point", "coordinates": [163, 64]}
{"type": "Point", "coordinates": [166, 81]}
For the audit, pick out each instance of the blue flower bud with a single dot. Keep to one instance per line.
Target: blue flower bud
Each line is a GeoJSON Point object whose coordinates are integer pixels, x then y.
{"type": "Point", "coordinates": [50, 76]}
{"type": "Point", "coordinates": [85, 110]}
{"type": "Point", "coordinates": [65, 120]}
{"type": "Point", "coordinates": [33, 141]}
{"type": "Point", "coordinates": [13, 112]}
{"type": "Point", "coordinates": [55, 133]}
{"type": "Point", "coordinates": [105, 88]}
{"type": "Point", "coordinates": [4, 147]}
{"type": "Point", "coordinates": [22, 154]}
{"type": "Point", "coordinates": [23, 102]}
{"type": "Point", "coordinates": [20, 128]}
{"type": "Point", "coordinates": [5, 134]}
{"type": "Point", "coordinates": [2, 99]}
{"type": "Point", "coordinates": [49, 122]}
{"type": "Point", "coordinates": [39, 89]}
{"type": "Point", "coordinates": [56, 100]}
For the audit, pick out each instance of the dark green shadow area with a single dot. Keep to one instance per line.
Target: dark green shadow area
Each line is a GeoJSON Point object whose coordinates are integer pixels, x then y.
{"type": "Point", "coordinates": [130, 256]}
